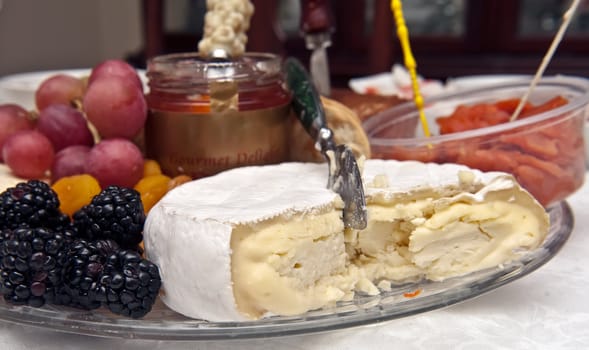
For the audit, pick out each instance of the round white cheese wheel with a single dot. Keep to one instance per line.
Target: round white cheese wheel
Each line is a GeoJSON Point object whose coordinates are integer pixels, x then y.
{"type": "Point", "coordinates": [257, 241]}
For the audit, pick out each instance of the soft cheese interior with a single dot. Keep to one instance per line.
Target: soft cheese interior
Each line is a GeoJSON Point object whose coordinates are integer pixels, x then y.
{"type": "Point", "coordinates": [270, 240]}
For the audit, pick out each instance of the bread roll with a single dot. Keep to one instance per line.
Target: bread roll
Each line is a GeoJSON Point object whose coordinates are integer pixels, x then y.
{"type": "Point", "coordinates": [347, 129]}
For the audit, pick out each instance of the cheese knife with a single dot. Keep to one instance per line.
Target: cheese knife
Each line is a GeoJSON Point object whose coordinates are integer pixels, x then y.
{"type": "Point", "coordinates": [344, 175]}
{"type": "Point", "coordinates": [316, 28]}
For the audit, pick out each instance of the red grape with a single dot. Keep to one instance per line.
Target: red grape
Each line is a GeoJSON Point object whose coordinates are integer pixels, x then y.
{"type": "Point", "coordinates": [29, 154]}
{"type": "Point", "coordinates": [115, 68]}
{"type": "Point", "coordinates": [69, 161]}
{"type": "Point", "coordinates": [13, 118]}
{"type": "Point", "coordinates": [64, 126]}
{"type": "Point", "coordinates": [116, 107]}
{"type": "Point", "coordinates": [59, 89]}
{"type": "Point", "coordinates": [115, 162]}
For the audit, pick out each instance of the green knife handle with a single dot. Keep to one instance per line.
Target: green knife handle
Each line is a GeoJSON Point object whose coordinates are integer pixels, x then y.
{"type": "Point", "coordinates": [307, 104]}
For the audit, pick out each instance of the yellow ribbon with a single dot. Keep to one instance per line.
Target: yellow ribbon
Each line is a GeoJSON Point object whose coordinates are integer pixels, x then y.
{"type": "Point", "coordinates": [410, 64]}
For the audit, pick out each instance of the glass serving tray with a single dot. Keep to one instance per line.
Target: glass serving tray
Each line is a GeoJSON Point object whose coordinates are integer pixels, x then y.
{"type": "Point", "coordinates": [164, 324]}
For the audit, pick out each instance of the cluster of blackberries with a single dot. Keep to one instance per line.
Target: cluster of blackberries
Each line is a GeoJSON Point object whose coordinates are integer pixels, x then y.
{"type": "Point", "coordinates": [86, 263]}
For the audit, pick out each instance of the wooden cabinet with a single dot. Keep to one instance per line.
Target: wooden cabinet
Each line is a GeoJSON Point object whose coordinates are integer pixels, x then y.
{"type": "Point", "coordinates": [502, 37]}
{"type": "Point", "coordinates": [449, 37]}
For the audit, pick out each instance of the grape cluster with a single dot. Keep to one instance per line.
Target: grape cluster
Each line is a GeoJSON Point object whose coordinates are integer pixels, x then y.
{"type": "Point", "coordinates": [79, 126]}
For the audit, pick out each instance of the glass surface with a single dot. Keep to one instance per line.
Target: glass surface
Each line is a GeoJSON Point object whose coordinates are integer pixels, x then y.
{"type": "Point", "coordinates": [423, 17]}
{"type": "Point", "coordinates": [289, 15]}
{"type": "Point", "coordinates": [543, 17]}
{"type": "Point", "coordinates": [164, 324]}
{"type": "Point", "coordinates": [184, 16]}
{"type": "Point", "coordinates": [435, 18]}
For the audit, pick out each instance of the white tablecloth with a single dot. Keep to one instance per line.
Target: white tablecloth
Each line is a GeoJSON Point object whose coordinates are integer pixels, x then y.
{"type": "Point", "coordinates": [548, 309]}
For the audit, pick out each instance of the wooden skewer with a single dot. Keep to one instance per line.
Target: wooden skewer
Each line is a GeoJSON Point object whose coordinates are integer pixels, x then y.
{"type": "Point", "coordinates": [410, 64]}
{"type": "Point", "coordinates": [567, 17]}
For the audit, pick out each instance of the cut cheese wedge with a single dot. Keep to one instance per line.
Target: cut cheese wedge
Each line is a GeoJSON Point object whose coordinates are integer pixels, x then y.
{"type": "Point", "coordinates": [270, 240]}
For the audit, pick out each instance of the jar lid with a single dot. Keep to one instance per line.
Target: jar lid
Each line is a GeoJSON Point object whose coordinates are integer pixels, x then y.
{"type": "Point", "coordinates": [186, 70]}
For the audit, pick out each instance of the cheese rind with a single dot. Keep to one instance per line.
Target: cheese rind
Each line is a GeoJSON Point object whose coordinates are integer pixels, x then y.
{"type": "Point", "coordinates": [199, 262]}
{"type": "Point", "coordinates": [257, 241]}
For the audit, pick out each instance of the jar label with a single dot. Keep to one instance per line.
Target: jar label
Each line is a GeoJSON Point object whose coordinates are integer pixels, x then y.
{"type": "Point", "coordinates": [201, 145]}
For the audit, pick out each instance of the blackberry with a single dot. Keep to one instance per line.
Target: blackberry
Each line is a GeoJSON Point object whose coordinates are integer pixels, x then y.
{"type": "Point", "coordinates": [31, 266]}
{"type": "Point", "coordinates": [68, 230]}
{"type": "Point", "coordinates": [82, 271]}
{"type": "Point", "coordinates": [5, 234]}
{"type": "Point", "coordinates": [129, 284]}
{"type": "Point", "coordinates": [115, 213]}
{"type": "Point", "coordinates": [32, 203]}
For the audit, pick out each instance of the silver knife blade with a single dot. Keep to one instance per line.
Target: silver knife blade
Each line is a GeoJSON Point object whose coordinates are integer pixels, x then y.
{"type": "Point", "coordinates": [319, 64]}
{"type": "Point", "coordinates": [346, 180]}
{"type": "Point", "coordinates": [320, 71]}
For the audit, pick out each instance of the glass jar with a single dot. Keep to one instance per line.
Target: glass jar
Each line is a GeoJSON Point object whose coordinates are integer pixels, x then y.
{"type": "Point", "coordinates": [206, 116]}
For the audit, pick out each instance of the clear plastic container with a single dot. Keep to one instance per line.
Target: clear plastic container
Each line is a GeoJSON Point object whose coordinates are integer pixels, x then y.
{"type": "Point", "coordinates": [545, 151]}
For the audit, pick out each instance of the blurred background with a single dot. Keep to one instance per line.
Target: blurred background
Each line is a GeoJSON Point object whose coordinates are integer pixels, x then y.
{"type": "Point", "coordinates": [450, 37]}
{"type": "Point", "coordinates": [56, 34]}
